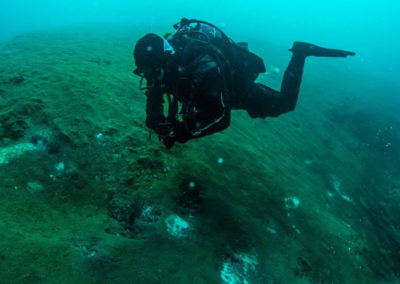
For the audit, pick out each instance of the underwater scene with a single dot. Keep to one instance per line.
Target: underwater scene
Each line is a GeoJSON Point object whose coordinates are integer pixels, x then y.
{"type": "Point", "coordinates": [136, 151]}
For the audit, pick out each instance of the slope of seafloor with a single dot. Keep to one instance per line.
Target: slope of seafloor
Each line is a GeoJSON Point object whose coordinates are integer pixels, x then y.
{"type": "Point", "coordinates": [86, 197]}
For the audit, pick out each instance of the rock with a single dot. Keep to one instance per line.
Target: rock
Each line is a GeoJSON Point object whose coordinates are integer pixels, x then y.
{"type": "Point", "coordinates": [133, 216]}
{"type": "Point", "coordinates": [53, 147]}
{"type": "Point", "coordinates": [150, 163]}
{"type": "Point", "coordinates": [303, 267]}
{"type": "Point", "coordinates": [34, 186]}
{"type": "Point", "coordinates": [150, 215]}
{"type": "Point", "coordinates": [125, 210]}
{"type": "Point", "coordinates": [73, 181]}
{"type": "Point", "coordinates": [13, 126]}
{"type": "Point", "coordinates": [190, 191]}
{"type": "Point", "coordinates": [291, 202]}
{"type": "Point", "coordinates": [95, 60]}
{"type": "Point", "coordinates": [176, 226]}
{"type": "Point", "coordinates": [308, 162]}
{"type": "Point", "coordinates": [241, 268]}
{"type": "Point", "coordinates": [99, 60]}
{"type": "Point", "coordinates": [59, 166]}
{"type": "Point", "coordinates": [14, 119]}
{"type": "Point", "coordinates": [15, 80]}
{"type": "Point", "coordinates": [14, 151]}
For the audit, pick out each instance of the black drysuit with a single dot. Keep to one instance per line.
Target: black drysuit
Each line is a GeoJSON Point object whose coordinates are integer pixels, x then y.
{"type": "Point", "coordinates": [208, 86]}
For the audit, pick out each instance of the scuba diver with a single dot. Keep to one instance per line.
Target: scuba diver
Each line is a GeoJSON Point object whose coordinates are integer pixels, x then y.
{"type": "Point", "coordinates": [203, 74]}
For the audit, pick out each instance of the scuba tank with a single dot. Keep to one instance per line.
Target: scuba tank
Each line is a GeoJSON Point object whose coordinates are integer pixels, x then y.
{"type": "Point", "coordinates": [237, 54]}
{"type": "Point", "coordinates": [239, 62]}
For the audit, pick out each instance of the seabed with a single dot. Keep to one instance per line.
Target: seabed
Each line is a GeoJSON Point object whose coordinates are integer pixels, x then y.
{"type": "Point", "coordinates": [86, 197]}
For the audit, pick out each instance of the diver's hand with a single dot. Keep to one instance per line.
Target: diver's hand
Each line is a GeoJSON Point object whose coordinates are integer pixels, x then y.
{"type": "Point", "coordinates": [168, 141]}
{"type": "Point", "coordinates": [165, 129]}
{"type": "Point", "coordinates": [153, 120]}
{"type": "Point", "coordinates": [166, 134]}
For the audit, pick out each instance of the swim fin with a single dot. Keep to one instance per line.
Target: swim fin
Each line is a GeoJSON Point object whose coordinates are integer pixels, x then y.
{"type": "Point", "coordinates": [308, 49]}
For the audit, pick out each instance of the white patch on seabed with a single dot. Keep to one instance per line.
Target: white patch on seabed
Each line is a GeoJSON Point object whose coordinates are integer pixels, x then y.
{"type": "Point", "coordinates": [176, 226]}
{"type": "Point", "coordinates": [15, 151]}
{"type": "Point", "coordinates": [239, 269]}
{"type": "Point", "coordinates": [59, 166]}
{"type": "Point", "coordinates": [271, 230]}
{"type": "Point", "coordinates": [229, 275]}
{"type": "Point", "coordinates": [308, 162]}
{"type": "Point", "coordinates": [296, 230]}
{"type": "Point", "coordinates": [291, 202]}
{"type": "Point", "coordinates": [34, 186]}
{"type": "Point", "coordinates": [337, 185]}
{"type": "Point", "coordinates": [149, 215]}
{"type": "Point", "coordinates": [330, 194]}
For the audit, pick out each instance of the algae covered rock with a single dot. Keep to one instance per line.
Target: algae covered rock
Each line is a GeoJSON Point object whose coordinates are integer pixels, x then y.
{"type": "Point", "coordinates": [176, 226]}
{"type": "Point", "coordinates": [34, 187]}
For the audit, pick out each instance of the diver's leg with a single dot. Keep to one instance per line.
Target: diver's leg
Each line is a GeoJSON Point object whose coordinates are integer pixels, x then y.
{"type": "Point", "coordinates": [262, 101]}
{"type": "Point", "coordinates": [291, 82]}
{"type": "Point", "coordinates": [294, 72]}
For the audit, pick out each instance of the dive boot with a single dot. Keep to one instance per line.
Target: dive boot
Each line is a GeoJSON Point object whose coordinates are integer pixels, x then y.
{"type": "Point", "coordinates": [308, 49]}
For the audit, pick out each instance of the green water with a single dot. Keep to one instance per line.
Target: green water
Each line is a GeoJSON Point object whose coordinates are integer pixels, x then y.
{"type": "Point", "coordinates": [85, 197]}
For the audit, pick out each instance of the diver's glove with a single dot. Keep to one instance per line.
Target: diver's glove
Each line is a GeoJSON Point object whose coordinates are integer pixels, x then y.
{"type": "Point", "coordinates": [168, 141]}
{"type": "Point", "coordinates": [166, 134]}
{"type": "Point", "coordinates": [169, 133]}
{"type": "Point", "coordinates": [165, 129]}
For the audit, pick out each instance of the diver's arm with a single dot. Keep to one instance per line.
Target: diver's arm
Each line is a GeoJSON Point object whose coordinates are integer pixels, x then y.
{"type": "Point", "coordinates": [210, 111]}
{"type": "Point", "coordinates": [203, 122]}
{"type": "Point", "coordinates": [154, 108]}
{"type": "Point", "coordinates": [207, 110]}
